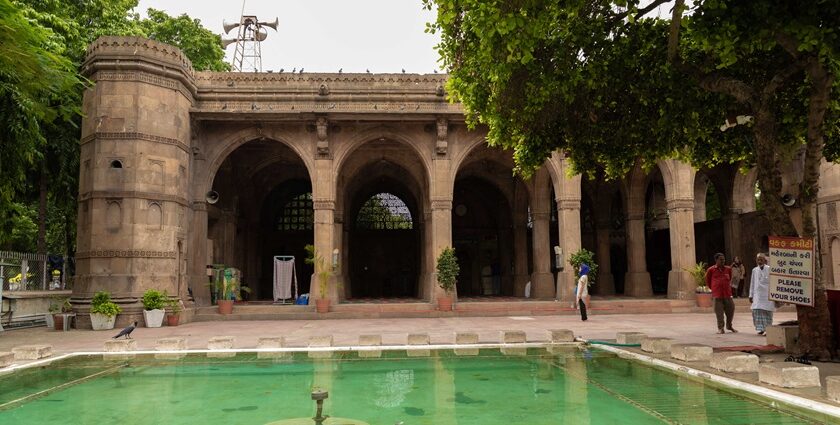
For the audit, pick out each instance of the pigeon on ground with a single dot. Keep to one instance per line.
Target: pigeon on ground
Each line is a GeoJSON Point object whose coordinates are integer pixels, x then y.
{"type": "Point", "coordinates": [127, 331]}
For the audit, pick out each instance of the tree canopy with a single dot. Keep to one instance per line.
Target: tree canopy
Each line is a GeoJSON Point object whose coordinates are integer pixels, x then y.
{"type": "Point", "coordinates": [42, 44]}
{"type": "Point", "coordinates": [610, 82]}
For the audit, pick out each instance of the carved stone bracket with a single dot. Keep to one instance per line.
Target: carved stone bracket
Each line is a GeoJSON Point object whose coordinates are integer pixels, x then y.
{"type": "Point", "coordinates": [442, 143]}
{"type": "Point", "coordinates": [321, 129]}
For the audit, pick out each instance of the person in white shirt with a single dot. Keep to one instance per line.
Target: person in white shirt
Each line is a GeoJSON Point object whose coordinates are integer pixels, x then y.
{"type": "Point", "coordinates": [762, 307]}
{"type": "Point", "coordinates": [582, 291]}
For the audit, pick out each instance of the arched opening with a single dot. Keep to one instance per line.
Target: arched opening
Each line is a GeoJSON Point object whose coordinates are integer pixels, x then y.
{"type": "Point", "coordinates": [491, 227]}
{"type": "Point", "coordinates": [482, 238]}
{"type": "Point", "coordinates": [380, 203]}
{"type": "Point", "coordinates": [657, 233]}
{"type": "Point", "coordinates": [709, 234]}
{"type": "Point", "coordinates": [384, 245]}
{"type": "Point", "coordinates": [264, 209]}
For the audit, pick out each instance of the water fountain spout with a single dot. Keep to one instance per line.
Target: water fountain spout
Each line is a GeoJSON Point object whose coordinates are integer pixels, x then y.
{"type": "Point", "coordinates": [319, 396]}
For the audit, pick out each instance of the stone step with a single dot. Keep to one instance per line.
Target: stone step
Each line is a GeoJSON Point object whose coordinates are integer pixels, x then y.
{"type": "Point", "coordinates": [789, 375]}
{"type": "Point", "coordinates": [735, 362]}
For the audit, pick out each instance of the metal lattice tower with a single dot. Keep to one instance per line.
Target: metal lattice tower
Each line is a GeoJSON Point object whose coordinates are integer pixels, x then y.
{"type": "Point", "coordinates": [248, 54]}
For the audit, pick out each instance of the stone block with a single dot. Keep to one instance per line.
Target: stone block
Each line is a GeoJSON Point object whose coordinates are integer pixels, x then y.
{"type": "Point", "coordinates": [560, 335]}
{"type": "Point", "coordinates": [418, 339]}
{"type": "Point", "coordinates": [171, 344]}
{"type": "Point", "coordinates": [832, 388]}
{"type": "Point", "coordinates": [220, 343]}
{"type": "Point", "coordinates": [320, 341]}
{"type": "Point", "coordinates": [789, 375]}
{"type": "Point", "coordinates": [735, 362]}
{"type": "Point", "coordinates": [6, 358]}
{"type": "Point", "coordinates": [32, 352]}
{"type": "Point", "coordinates": [120, 345]}
{"type": "Point", "coordinates": [370, 341]}
{"type": "Point", "coordinates": [513, 337]}
{"type": "Point", "coordinates": [691, 352]}
{"type": "Point", "coordinates": [466, 338]}
{"type": "Point", "coordinates": [783, 336]}
{"type": "Point", "coordinates": [272, 343]}
{"type": "Point", "coordinates": [170, 356]}
{"type": "Point", "coordinates": [657, 345]}
{"type": "Point", "coordinates": [626, 338]}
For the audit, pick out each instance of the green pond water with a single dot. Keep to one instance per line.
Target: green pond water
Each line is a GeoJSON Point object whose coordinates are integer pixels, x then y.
{"type": "Point", "coordinates": [573, 386]}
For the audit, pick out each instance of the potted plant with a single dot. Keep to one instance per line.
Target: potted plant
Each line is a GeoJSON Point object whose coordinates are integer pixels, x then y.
{"type": "Point", "coordinates": [54, 308]}
{"type": "Point", "coordinates": [584, 256]}
{"type": "Point", "coordinates": [229, 288]}
{"type": "Point", "coordinates": [103, 311]}
{"type": "Point", "coordinates": [703, 293]}
{"type": "Point", "coordinates": [59, 308]}
{"type": "Point", "coordinates": [322, 303]}
{"type": "Point", "coordinates": [154, 302]}
{"type": "Point", "coordinates": [447, 275]}
{"type": "Point", "coordinates": [174, 311]}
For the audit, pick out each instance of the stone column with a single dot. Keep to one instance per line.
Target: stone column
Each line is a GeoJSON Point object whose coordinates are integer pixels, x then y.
{"type": "Point", "coordinates": [520, 258]}
{"type": "Point", "coordinates": [198, 257]}
{"type": "Point", "coordinates": [324, 211]}
{"type": "Point", "coordinates": [637, 279]}
{"type": "Point", "coordinates": [135, 156]}
{"type": "Point", "coordinates": [679, 199]}
{"type": "Point", "coordinates": [542, 285]}
{"type": "Point", "coordinates": [605, 283]}
{"type": "Point", "coordinates": [732, 235]}
{"type": "Point", "coordinates": [441, 238]}
{"type": "Point", "coordinates": [567, 193]}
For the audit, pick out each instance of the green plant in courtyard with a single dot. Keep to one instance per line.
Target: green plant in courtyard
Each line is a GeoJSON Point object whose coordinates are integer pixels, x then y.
{"type": "Point", "coordinates": [698, 273]}
{"type": "Point", "coordinates": [585, 256]}
{"type": "Point", "coordinates": [154, 299]}
{"type": "Point", "coordinates": [60, 305]}
{"type": "Point", "coordinates": [321, 269]}
{"type": "Point", "coordinates": [174, 305]}
{"type": "Point", "coordinates": [102, 304]}
{"type": "Point", "coordinates": [447, 269]}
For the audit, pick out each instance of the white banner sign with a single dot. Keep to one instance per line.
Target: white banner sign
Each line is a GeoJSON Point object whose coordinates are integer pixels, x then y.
{"type": "Point", "coordinates": [792, 270]}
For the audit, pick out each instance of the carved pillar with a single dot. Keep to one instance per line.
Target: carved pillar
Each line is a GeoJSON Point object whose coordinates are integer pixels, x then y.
{"type": "Point", "coordinates": [568, 224]}
{"type": "Point", "coordinates": [520, 241]}
{"type": "Point", "coordinates": [323, 205]}
{"type": "Point", "coordinates": [441, 238]}
{"type": "Point", "coordinates": [542, 285]}
{"type": "Point", "coordinates": [636, 279]}
{"type": "Point", "coordinates": [198, 256]}
{"type": "Point", "coordinates": [605, 283]}
{"type": "Point", "coordinates": [679, 193]}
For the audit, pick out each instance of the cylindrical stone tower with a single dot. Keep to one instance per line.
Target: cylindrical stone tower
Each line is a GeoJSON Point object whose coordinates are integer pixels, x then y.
{"type": "Point", "coordinates": [134, 176]}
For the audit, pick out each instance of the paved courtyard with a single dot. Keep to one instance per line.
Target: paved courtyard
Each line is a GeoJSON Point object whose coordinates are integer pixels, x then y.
{"type": "Point", "coordinates": [690, 327]}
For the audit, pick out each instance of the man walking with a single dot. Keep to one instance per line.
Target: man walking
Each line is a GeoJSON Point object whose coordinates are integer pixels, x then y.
{"type": "Point", "coordinates": [718, 278]}
{"type": "Point", "coordinates": [762, 307]}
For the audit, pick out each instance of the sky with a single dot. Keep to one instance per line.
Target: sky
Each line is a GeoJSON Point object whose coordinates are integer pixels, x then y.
{"type": "Point", "coordinates": [325, 35]}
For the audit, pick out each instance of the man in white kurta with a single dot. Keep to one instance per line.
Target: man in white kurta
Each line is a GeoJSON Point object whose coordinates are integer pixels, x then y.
{"type": "Point", "coordinates": [762, 307]}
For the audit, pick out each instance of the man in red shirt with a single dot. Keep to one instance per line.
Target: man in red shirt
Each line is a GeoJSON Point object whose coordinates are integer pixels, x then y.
{"type": "Point", "coordinates": [718, 278]}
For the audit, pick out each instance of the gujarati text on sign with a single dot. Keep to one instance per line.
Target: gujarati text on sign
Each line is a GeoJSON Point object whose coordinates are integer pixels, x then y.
{"type": "Point", "coordinates": [792, 270]}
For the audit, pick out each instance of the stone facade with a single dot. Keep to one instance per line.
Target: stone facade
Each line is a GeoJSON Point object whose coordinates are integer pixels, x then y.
{"type": "Point", "coordinates": [157, 137]}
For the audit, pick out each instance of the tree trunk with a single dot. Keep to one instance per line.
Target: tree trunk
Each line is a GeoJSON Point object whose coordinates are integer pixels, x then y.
{"type": "Point", "coordinates": [42, 211]}
{"type": "Point", "coordinates": [816, 336]}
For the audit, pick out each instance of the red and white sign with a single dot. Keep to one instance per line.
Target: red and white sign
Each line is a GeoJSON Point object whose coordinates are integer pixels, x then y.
{"type": "Point", "coordinates": [792, 270]}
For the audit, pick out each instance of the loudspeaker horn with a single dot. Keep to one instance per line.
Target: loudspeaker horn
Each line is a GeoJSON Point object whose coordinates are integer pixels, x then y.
{"type": "Point", "coordinates": [272, 25]}
{"type": "Point", "coordinates": [228, 41]}
{"type": "Point", "coordinates": [260, 34]}
{"type": "Point", "coordinates": [212, 197]}
{"type": "Point", "coordinates": [228, 26]}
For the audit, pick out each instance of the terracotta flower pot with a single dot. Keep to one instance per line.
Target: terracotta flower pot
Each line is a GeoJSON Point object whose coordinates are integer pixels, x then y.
{"type": "Point", "coordinates": [445, 303]}
{"type": "Point", "coordinates": [225, 306]}
{"type": "Point", "coordinates": [322, 305]}
{"type": "Point", "coordinates": [704, 299]}
{"type": "Point", "coordinates": [172, 319]}
{"type": "Point", "coordinates": [58, 322]}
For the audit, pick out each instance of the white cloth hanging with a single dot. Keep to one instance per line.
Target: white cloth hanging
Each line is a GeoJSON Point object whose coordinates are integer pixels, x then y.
{"type": "Point", "coordinates": [284, 276]}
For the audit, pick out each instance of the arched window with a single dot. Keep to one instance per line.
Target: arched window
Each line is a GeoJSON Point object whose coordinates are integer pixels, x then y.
{"type": "Point", "coordinates": [384, 211]}
{"type": "Point", "coordinates": [297, 214]}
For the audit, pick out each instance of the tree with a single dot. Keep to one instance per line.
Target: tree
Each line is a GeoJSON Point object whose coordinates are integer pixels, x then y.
{"type": "Point", "coordinates": [40, 162]}
{"type": "Point", "coordinates": [202, 46]}
{"type": "Point", "coordinates": [607, 82]}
